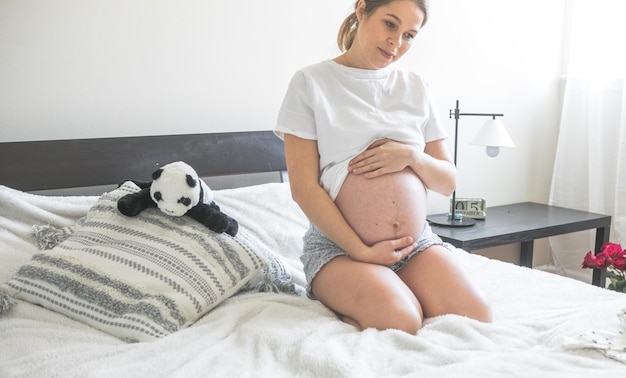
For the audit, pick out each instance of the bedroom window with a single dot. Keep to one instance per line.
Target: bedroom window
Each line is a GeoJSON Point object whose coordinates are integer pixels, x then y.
{"type": "Point", "coordinates": [590, 164]}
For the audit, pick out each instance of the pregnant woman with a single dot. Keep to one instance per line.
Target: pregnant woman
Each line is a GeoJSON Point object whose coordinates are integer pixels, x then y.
{"type": "Point", "coordinates": [363, 144]}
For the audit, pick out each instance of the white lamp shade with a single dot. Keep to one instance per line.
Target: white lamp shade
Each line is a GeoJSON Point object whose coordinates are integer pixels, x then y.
{"type": "Point", "coordinates": [493, 134]}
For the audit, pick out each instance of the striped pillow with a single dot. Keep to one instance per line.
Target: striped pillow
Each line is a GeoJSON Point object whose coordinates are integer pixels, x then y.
{"type": "Point", "coordinates": [136, 278]}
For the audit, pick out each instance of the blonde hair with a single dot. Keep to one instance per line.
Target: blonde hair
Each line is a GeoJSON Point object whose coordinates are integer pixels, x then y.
{"type": "Point", "coordinates": [348, 28]}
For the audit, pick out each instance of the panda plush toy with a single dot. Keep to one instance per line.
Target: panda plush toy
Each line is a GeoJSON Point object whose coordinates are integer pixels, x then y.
{"type": "Point", "coordinates": [177, 190]}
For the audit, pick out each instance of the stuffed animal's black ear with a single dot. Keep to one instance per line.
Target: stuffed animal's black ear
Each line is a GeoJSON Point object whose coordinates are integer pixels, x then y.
{"type": "Point", "coordinates": [156, 174]}
{"type": "Point", "coordinates": [191, 181]}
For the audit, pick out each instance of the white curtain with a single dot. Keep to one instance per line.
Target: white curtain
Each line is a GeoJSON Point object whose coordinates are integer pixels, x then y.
{"type": "Point", "coordinates": [590, 167]}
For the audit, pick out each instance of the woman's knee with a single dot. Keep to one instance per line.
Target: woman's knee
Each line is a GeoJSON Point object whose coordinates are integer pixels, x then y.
{"type": "Point", "coordinates": [481, 311]}
{"type": "Point", "coordinates": [401, 319]}
{"type": "Point", "coordinates": [394, 309]}
{"type": "Point", "coordinates": [407, 319]}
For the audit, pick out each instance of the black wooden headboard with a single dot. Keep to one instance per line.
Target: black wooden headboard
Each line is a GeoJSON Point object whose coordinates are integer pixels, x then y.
{"type": "Point", "coordinates": [43, 165]}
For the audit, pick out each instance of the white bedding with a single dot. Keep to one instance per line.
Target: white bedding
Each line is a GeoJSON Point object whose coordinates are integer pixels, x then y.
{"type": "Point", "coordinates": [538, 318]}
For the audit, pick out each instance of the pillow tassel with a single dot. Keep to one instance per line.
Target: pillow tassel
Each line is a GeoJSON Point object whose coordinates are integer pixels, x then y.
{"type": "Point", "coordinates": [5, 303]}
{"type": "Point", "coordinates": [266, 284]}
{"type": "Point", "coordinates": [49, 237]}
{"type": "Point", "coordinates": [272, 281]}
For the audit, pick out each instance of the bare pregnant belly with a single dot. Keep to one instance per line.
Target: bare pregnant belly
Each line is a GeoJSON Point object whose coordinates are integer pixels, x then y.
{"type": "Point", "coordinates": [383, 208]}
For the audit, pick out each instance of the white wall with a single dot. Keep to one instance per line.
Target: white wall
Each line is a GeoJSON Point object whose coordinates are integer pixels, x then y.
{"type": "Point", "coordinates": [87, 68]}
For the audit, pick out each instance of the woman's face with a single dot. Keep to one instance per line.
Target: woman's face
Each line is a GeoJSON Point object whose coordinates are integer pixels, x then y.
{"type": "Point", "coordinates": [385, 35]}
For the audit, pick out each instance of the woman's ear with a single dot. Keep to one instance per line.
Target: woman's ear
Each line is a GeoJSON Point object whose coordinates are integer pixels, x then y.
{"type": "Point", "coordinates": [360, 10]}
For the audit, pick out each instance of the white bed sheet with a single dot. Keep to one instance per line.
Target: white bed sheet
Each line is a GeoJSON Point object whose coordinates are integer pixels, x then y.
{"type": "Point", "coordinates": [537, 318]}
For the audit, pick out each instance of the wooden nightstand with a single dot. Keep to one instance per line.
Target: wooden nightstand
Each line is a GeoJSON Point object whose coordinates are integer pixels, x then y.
{"type": "Point", "coordinates": [523, 223]}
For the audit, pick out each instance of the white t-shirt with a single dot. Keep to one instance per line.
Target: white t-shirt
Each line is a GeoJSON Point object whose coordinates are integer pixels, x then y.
{"type": "Point", "coordinates": [346, 109]}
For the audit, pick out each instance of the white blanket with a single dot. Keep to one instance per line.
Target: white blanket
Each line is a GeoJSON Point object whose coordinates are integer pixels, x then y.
{"type": "Point", "coordinates": [537, 318]}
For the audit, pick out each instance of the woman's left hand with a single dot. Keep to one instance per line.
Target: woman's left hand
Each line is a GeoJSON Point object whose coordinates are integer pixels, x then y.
{"type": "Point", "coordinates": [382, 157]}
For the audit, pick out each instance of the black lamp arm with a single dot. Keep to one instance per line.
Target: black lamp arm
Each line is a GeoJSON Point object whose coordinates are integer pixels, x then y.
{"type": "Point", "coordinates": [456, 113]}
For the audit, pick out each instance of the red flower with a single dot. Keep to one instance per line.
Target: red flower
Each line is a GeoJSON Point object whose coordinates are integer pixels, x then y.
{"type": "Point", "coordinates": [589, 261]}
{"type": "Point", "coordinates": [603, 260]}
{"type": "Point", "coordinates": [612, 249]}
{"type": "Point", "coordinates": [619, 262]}
{"type": "Point", "coordinates": [611, 255]}
{"type": "Point", "coordinates": [611, 258]}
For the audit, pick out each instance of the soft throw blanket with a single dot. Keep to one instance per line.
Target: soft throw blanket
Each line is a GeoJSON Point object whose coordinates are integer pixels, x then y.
{"type": "Point", "coordinates": [536, 315]}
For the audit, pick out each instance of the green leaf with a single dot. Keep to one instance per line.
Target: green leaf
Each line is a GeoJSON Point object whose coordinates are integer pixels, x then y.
{"type": "Point", "coordinates": [619, 286]}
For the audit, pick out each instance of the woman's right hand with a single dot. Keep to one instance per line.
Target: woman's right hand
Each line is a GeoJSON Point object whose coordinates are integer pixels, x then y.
{"type": "Point", "coordinates": [387, 252]}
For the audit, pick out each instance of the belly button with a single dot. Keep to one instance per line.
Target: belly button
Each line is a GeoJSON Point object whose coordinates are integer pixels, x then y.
{"type": "Point", "coordinates": [395, 225]}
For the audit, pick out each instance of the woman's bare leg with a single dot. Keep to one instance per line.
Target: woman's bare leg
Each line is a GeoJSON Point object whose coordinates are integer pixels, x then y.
{"type": "Point", "coordinates": [367, 295]}
{"type": "Point", "coordinates": [442, 286]}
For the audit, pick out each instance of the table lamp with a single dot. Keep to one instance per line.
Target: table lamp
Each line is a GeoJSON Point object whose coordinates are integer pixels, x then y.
{"type": "Point", "coordinates": [493, 135]}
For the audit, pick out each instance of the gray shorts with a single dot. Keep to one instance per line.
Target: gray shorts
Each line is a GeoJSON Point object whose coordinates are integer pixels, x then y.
{"type": "Point", "coordinates": [319, 250]}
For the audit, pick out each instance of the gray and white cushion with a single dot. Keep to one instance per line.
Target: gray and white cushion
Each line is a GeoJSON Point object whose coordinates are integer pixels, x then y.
{"type": "Point", "coordinates": [136, 278]}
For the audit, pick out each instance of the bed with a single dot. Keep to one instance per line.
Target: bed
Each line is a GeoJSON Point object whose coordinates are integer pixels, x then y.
{"type": "Point", "coordinates": [262, 324]}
